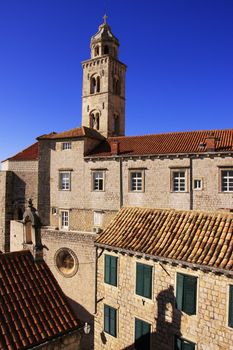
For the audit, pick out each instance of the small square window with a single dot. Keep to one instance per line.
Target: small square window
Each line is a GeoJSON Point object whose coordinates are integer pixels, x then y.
{"type": "Point", "coordinates": [197, 184]}
{"type": "Point", "coordinates": [179, 181]}
{"type": "Point", "coordinates": [66, 145]}
{"type": "Point", "coordinates": [64, 219]}
{"type": "Point", "coordinates": [110, 320]}
{"type": "Point", "coordinates": [186, 293]}
{"type": "Point", "coordinates": [64, 180]}
{"type": "Point", "coordinates": [98, 180]}
{"type": "Point", "coordinates": [142, 335]}
{"type": "Point", "coordinates": [136, 181]}
{"type": "Point", "coordinates": [144, 280]}
{"type": "Point", "coordinates": [110, 270]}
{"type": "Point", "coordinates": [227, 180]}
{"type": "Point", "coordinates": [183, 344]}
{"type": "Point", "coordinates": [98, 218]}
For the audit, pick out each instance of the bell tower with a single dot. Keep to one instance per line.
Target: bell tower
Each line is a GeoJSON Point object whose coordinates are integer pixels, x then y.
{"type": "Point", "coordinates": [103, 93]}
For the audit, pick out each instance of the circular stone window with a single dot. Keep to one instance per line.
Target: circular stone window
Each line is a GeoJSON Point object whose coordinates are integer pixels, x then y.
{"type": "Point", "coordinates": [66, 262]}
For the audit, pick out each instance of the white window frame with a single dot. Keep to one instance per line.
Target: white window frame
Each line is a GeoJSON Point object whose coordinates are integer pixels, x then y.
{"type": "Point", "coordinates": [136, 183]}
{"type": "Point", "coordinates": [66, 146]}
{"type": "Point", "coordinates": [196, 181]}
{"type": "Point", "coordinates": [98, 218]}
{"type": "Point", "coordinates": [179, 180]}
{"type": "Point", "coordinates": [96, 181]}
{"type": "Point", "coordinates": [64, 185]}
{"type": "Point", "coordinates": [229, 180]}
{"type": "Point", "coordinates": [64, 219]}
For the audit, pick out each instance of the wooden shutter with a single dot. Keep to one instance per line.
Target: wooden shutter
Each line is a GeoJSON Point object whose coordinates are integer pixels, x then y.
{"type": "Point", "coordinates": [113, 270]}
{"type": "Point", "coordinates": [179, 291]}
{"type": "Point", "coordinates": [139, 279]}
{"type": "Point", "coordinates": [112, 321]}
{"type": "Point", "coordinates": [106, 319]}
{"type": "Point", "coordinates": [142, 335]}
{"type": "Point", "coordinates": [189, 295]}
{"type": "Point", "coordinates": [147, 281]}
{"type": "Point", "coordinates": [188, 346]}
{"type": "Point", "coordinates": [107, 269]}
{"type": "Point", "coordinates": [230, 319]}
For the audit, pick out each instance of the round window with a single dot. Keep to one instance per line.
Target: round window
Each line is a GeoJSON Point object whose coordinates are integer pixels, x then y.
{"type": "Point", "coordinates": [66, 262]}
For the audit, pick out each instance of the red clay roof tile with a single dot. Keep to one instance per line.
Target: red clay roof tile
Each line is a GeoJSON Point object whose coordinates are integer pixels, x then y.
{"type": "Point", "coordinates": [32, 305]}
{"type": "Point", "coordinates": [189, 236]}
{"type": "Point", "coordinates": [29, 153]}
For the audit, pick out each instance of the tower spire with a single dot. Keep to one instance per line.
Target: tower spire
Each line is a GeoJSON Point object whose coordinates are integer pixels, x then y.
{"type": "Point", "coordinates": [105, 18]}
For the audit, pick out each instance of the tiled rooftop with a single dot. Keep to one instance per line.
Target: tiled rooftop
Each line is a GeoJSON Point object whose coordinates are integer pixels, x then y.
{"type": "Point", "coordinates": [33, 307]}
{"type": "Point", "coordinates": [73, 133]}
{"type": "Point", "coordinates": [169, 143]}
{"type": "Point", "coordinates": [190, 236]}
{"type": "Point", "coordinates": [29, 153]}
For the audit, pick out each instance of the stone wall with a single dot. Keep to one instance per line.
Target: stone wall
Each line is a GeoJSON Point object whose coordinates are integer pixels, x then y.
{"type": "Point", "coordinates": [69, 341]}
{"type": "Point", "coordinates": [208, 329]}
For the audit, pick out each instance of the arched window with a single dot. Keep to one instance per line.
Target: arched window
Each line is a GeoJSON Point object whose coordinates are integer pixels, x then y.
{"type": "Point", "coordinates": [98, 84]}
{"type": "Point", "coordinates": [97, 51]}
{"type": "Point", "coordinates": [93, 85]}
{"type": "Point", "coordinates": [92, 120]}
{"type": "Point", "coordinates": [97, 121]}
{"type": "Point", "coordinates": [106, 50]}
{"type": "Point", "coordinates": [116, 86]}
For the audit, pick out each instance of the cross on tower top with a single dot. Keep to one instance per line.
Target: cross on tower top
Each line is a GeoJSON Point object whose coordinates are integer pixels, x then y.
{"type": "Point", "coordinates": [105, 18]}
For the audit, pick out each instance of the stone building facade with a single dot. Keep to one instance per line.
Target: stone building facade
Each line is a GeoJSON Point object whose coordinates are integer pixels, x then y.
{"type": "Point", "coordinates": [80, 178]}
{"type": "Point", "coordinates": [151, 318]}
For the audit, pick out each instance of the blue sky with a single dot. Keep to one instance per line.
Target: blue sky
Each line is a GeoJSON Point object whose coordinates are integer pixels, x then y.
{"type": "Point", "coordinates": [179, 55]}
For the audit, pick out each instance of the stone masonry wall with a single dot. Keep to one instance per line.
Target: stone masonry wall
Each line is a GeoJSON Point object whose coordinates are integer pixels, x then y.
{"type": "Point", "coordinates": [208, 328]}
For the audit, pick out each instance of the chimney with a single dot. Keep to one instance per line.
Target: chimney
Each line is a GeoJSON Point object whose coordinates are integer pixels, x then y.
{"type": "Point", "coordinates": [211, 142]}
{"type": "Point", "coordinates": [114, 147]}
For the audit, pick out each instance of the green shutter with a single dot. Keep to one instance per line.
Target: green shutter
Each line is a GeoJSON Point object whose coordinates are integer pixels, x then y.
{"type": "Point", "coordinates": [113, 271]}
{"type": "Point", "coordinates": [188, 346]}
{"type": "Point", "coordinates": [230, 322]}
{"type": "Point", "coordinates": [189, 295]}
{"type": "Point", "coordinates": [106, 319]}
{"type": "Point", "coordinates": [147, 281]}
{"type": "Point", "coordinates": [139, 279]}
{"type": "Point", "coordinates": [178, 344]}
{"type": "Point", "coordinates": [107, 269]}
{"type": "Point", "coordinates": [179, 291]}
{"type": "Point", "coordinates": [142, 335]}
{"type": "Point", "coordinates": [112, 321]}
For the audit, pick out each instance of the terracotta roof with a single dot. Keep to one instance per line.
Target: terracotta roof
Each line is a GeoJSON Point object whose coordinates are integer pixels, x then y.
{"type": "Point", "coordinates": [73, 133]}
{"type": "Point", "coordinates": [190, 236]}
{"type": "Point", "coordinates": [33, 307]}
{"type": "Point", "coordinates": [169, 143]}
{"type": "Point", "coordinates": [29, 153]}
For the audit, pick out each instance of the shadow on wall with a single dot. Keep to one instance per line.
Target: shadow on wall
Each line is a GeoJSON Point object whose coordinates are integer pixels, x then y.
{"type": "Point", "coordinates": [87, 342]}
{"type": "Point", "coordinates": [168, 321]}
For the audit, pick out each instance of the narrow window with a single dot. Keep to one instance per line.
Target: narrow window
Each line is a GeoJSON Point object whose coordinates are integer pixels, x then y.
{"type": "Point", "coordinates": [197, 184]}
{"type": "Point", "coordinates": [64, 219]}
{"type": "Point", "coordinates": [98, 84]}
{"type": "Point", "coordinates": [97, 121]}
{"type": "Point", "coordinates": [64, 180]}
{"type": "Point", "coordinates": [186, 293]}
{"type": "Point", "coordinates": [142, 335]}
{"type": "Point", "coordinates": [66, 145]}
{"type": "Point", "coordinates": [93, 85]}
{"type": "Point", "coordinates": [96, 50]}
{"type": "Point", "coordinates": [230, 312]}
{"type": "Point", "coordinates": [183, 344]}
{"type": "Point", "coordinates": [98, 218]}
{"type": "Point", "coordinates": [106, 50]}
{"type": "Point", "coordinates": [110, 320]}
{"type": "Point", "coordinates": [144, 280]}
{"type": "Point", "coordinates": [136, 181]}
{"type": "Point", "coordinates": [116, 124]}
{"type": "Point", "coordinates": [227, 180]}
{"type": "Point", "coordinates": [110, 270]}
{"type": "Point", "coordinates": [28, 230]}
{"type": "Point", "coordinates": [178, 181]}
{"type": "Point", "coordinates": [98, 180]}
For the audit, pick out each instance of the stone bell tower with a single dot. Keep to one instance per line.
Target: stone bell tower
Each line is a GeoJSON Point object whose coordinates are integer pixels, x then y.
{"type": "Point", "coordinates": [103, 95]}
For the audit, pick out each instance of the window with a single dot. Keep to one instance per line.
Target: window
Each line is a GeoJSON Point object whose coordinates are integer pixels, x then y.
{"type": "Point", "coordinates": [182, 344]}
{"type": "Point", "coordinates": [230, 312]}
{"type": "Point", "coordinates": [142, 335]}
{"type": "Point", "coordinates": [136, 181]}
{"type": "Point", "coordinates": [98, 180]}
{"type": "Point", "coordinates": [144, 280]}
{"type": "Point", "coordinates": [110, 270]}
{"type": "Point", "coordinates": [197, 184]}
{"type": "Point", "coordinates": [64, 180]}
{"type": "Point", "coordinates": [227, 180]}
{"type": "Point", "coordinates": [98, 216]}
{"type": "Point", "coordinates": [66, 145]}
{"type": "Point", "coordinates": [186, 293]}
{"type": "Point", "coordinates": [178, 181]}
{"type": "Point", "coordinates": [66, 262]}
{"type": "Point", "coordinates": [64, 219]}
{"type": "Point", "coordinates": [110, 320]}
{"type": "Point", "coordinates": [116, 122]}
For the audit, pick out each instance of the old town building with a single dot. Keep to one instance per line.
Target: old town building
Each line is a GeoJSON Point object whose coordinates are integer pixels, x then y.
{"type": "Point", "coordinates": [80, 178]}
